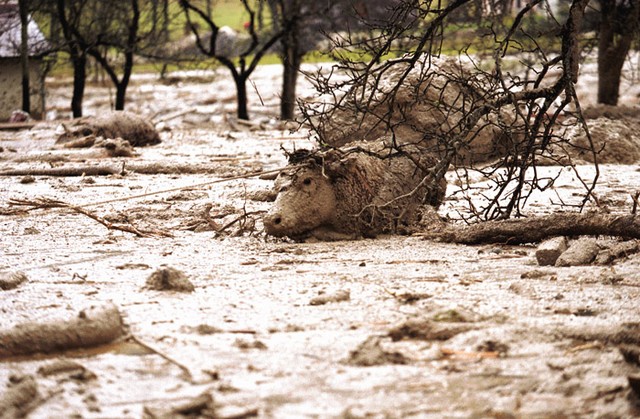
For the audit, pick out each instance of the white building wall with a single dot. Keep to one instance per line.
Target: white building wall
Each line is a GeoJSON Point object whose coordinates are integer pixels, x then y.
{"type": "Point", "coordinates": [11, 87]}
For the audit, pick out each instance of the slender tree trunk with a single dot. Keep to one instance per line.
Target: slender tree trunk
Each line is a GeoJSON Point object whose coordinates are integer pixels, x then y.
{"type": "Point", "coordinates": [290, 78]}
{"type": "Point", "coordinates": [24, 54]}
{"type": "Point", "coordinates": [121, 87]}
{"type": "Point", "coordinates": [79, 61]}
{"type": "Point", "coordinates": [241, 90]}
{"type": "Point", "coordinates": [613, 46]}
{"type": "Point", "coordinates": [291, 61]}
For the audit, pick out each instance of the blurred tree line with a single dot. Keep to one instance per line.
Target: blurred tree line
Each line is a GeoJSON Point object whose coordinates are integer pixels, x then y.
{"type": "Point", "coordinates": [116, 34]}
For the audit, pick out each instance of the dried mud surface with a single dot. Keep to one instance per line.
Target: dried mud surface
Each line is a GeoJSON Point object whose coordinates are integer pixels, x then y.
{"type": "Point", "coordinates": [395, 326]}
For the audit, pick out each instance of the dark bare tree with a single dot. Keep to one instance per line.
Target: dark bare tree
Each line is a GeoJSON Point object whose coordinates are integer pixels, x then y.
{"type": "Point", "coordinates": [23, 5]}
{"type": "Point", "coordinates": [112, 33]}
{"type": "Point", "coordinates": [306, 24]}
{"type": "Point", "coordinates": [239, 56]}
{"type": "Point", "coordinates": [619, 20]}
{"type": "Point", "coordinates": [93, 28]}
{"type": "Point", "coordinates": [69, 17]}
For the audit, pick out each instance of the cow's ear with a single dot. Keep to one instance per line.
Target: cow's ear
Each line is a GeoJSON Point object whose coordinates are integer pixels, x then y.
{"type": "Point", "coordinates": [340, 166]}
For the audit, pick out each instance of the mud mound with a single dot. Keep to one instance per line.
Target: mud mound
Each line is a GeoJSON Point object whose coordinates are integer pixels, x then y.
{"type": "Point", "coordinates": [612, 112]}
{"type": "Point", "coordinates": [615, 131]}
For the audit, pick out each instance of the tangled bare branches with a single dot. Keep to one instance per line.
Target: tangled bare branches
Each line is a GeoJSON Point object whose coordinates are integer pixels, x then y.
{"type": "Point", "coordinates": [500, 104]}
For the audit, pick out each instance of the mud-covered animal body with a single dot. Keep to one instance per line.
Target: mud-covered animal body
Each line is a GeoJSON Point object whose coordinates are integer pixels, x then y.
{"type": "Point", "coordinates": [429, 105]}
{"type": "Point", "coordinates": [365, 189]}
{"type": "Point", "coordinates": [118, 124]}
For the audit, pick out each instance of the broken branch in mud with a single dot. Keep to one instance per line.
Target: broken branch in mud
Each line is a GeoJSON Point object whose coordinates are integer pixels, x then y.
{"type": "Point", "coordinates": [92, 327]}
{"type": "Point", "coordinates": [45, 203]}
{"type": "Point", "coordinates": [197, 185]}
{"type": "Point", "coordinates": [187, 373]}
{"type": "Point", "coordinates": [144, 168]}
{"type": "Point", "coordinates": [535, 229]}
{"type": "Point", "coordinates": [99, 170]}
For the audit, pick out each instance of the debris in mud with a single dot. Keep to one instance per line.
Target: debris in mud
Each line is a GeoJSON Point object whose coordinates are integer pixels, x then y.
{"type": "Point", "coordinates": [263, 195]}
{"type": "Point", "coordinates": [370, 353]}
{"type": "Point", "coordinates": [47, 203]}
{"type": "Point", "coordinates": [254, 344]}
{"type": "Point", "coordinates": [581, 252]}
{"type": "Point", "coordinates": [550, 250]}
{"type": "Point", "coordinates": [336, 297]}
{"type": "Point", "coordinates": [557, 251]}
{"type": "Point", "coordinates": [455, 316]}
{"type": "Point", "coordinates": [201, 406]}
{"type": "Point", "coordinates": [538, 273]}
{"type": "Point", "coordinates": [616, 250]}
{"type": "Point", "coordinates": [25, 180]}
{"type": "Point", "coordinates": [114, 147]}
{"type": "Point", "coordinates": [118, 124]}
{"type": "Point", "coordinates": [167, 278]}
{"type": "Point", "coordinates": [92, 327]}
{"type": "Point", "coordinates": [11, 280]}
{"type": "Point", "coordinates": [631, 354]}
{"type": "Point", "coordinates": [446, 352]}
{"type": "Point", "coordinates": [205, 329]}
{"type": "Point", "coordinates": [634, 383]}
{"type": "Point", "coordinates": [67, 367]}
{"type": "Point", "coordinates": [409, 297]}
{"type": "Point", "coordinates": [19, 399]}
{"type": "Point", "coordinates": [493, 346]}
{"type": "Point", "coordinates": [624, 334]}
{"type": "Point", "coordinates": [427, 329]}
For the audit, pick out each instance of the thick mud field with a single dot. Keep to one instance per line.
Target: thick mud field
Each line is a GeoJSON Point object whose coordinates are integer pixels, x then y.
{"type": "Point", "coordinates": [194, 312]}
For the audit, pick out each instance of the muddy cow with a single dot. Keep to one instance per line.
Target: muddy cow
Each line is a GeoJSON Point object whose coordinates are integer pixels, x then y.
{"type": "Point", "coordinates": [362, 190]}
{"type": "Point", "coordinates": [119, 124]}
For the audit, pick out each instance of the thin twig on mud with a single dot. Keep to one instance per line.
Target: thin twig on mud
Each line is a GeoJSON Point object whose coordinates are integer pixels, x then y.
{"type": "Point", "coordinates": [185, 370]}
{"type": "Point", "coordinates": [207, 217]}
{"type": "Point", "coordinates": [197, 185]}
{"type": "Point", "coordinates": [45, 203]}
{"type": "Point", "coordinates": [241, 217]}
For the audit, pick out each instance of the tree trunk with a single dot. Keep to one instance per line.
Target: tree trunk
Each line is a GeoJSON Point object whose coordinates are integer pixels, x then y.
{"type": "Point", "coordinates": [121, 87]}
{"type": "Point", "coordinates": [617, 29]}
{"type": "Point", "coordinates": [291, 61]}
{"type": "Point", "coordinates": [79, 61]}
{"type": "Point", "coordinates": [241, 90]}
{"type": "Point", "coordinates": [24, 54]}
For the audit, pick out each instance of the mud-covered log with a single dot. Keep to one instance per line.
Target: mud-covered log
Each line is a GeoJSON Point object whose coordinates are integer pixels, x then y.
{"type": "Point", "coordinates": [93, 326]}
{"type": "Point", "coordinates": [535, 229]}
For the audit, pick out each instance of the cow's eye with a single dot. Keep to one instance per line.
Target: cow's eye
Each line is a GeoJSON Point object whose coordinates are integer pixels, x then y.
{"type": "Point", "coordinates": [86, 132]}
{"type": "Point", "coordinates": [307, 181]}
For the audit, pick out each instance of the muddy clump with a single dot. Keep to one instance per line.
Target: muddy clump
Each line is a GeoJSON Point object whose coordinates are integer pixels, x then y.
{"type": "Point", "coordinates": [119, 124]}
{"type": "Point", "coordinates": [169, 279]}
{"type": "Point", "coordinates": [358, 191]}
